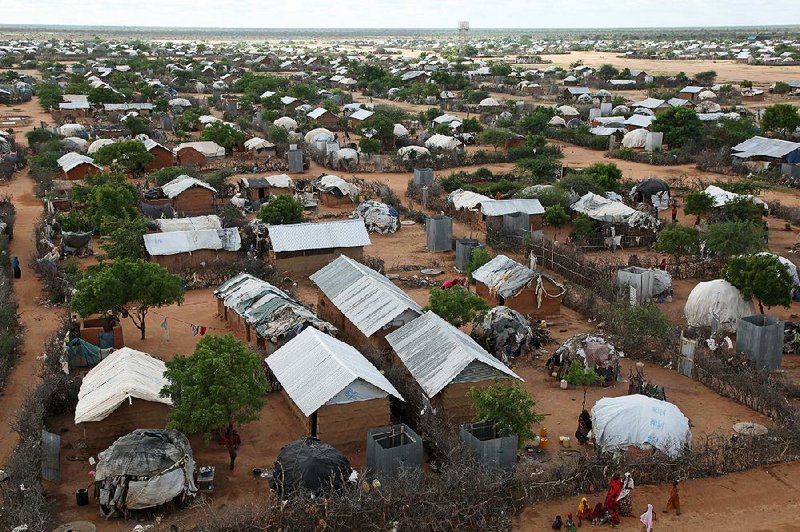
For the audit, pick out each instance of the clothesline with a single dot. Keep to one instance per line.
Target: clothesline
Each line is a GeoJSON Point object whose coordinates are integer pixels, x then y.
{"type": "Point", "coordinates": [189, 323]}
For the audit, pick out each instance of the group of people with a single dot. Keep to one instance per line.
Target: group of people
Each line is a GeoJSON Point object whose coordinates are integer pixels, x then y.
{"type": "Point", "coordinates": [618, 503]}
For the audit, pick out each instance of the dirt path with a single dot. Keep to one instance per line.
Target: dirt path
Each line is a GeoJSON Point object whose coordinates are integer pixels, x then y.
{"type": "Point", "coordinates": [761, 499]}
{"type": "Point", "coordinates": [39, 322]}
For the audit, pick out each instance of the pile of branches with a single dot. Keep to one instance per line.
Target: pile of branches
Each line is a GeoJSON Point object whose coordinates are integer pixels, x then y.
{"type": "Point", "coordinates": [217, 272]}
{"type": "Point", "coordinates": [10, 327]}
{"type": "Point", "coordinates": [54, 282]}
{"type": "Point", "coordinates": [23, 497]}
{"type": "Point", "coordinates": [785, 212]}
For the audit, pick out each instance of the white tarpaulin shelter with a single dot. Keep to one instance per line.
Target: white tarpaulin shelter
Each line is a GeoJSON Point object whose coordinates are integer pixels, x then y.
{"type": "Point", "coordinates": [194, 223]}
{"type": "Point", "coordinates": [319, 134]}
{"type": "Point", "coordinates": [619, 422]}
{"type": "Point", "coordinates": [175, 242]}
{"type": "Point", "coordinates": [716, 300]}
{"type": "Point", "coordinates": [286, 123]}
{"type": "Point", "coordinates": [406, 152]}
{"type": "Point", "coordinates": [636, 138]}
{"type": "Point", "coordinates": [257, 143]}
{"type": "Point", "coordinates": [790, 267]}
{"type": "Point", "coordinates": [610, 211]}
{"type": "Point", "coordinates": [567, 110]}
{"type": "Point", "coordinates": [70, 130]}
{"type": "Point", "coordinates": [466, 199]}
{"type": "Point", "coordinates": [99, 143]}
{"type": "Point", "coordinates": [557, 121]}
{"type": "Point", "coordinates": [333, 184]}
{"type": "Point", "coordinates": [721, 196]}
{"type": "Point", "coordinates": [442, 142]}
{"type": "Point", "coordinates": [210, 150]}
{"type": "Point", "coordinates": [378, 217]}
{"type": "Point", "coordinates": [123, 375]}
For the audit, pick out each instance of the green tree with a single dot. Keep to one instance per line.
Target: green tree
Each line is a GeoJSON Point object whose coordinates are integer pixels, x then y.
{"type": "Point", "coordinates": [706, 78]}
{"type": "Point", "coordinates": [136, 125]}
{"type": "Point", "coordinates": [280, 210]}
{"type": "Point", "coordinates": [579, 375]}
{"type": "Point", "coordinates": [537, 122]}
{"type": "Point", "coordinates": [607, 72]}
{"type": "Point", "coordinates": [471, 125]}
{"type": "Point", "coordinates": [679, 241]}
{"type": "Point", "coordinates": [167, 174]}
{"type": "Point", "coordinates": [125, 239]}
{"type": "Point", "coordinates": [742, 209]}
{"type": "Point", "coordinates": [221, 385]}
{"type": "Point", "coordinates": [495, 137]}
{"type": "Point", "coordinates": [380, 127]}
{"type": "Point", "coordinates": [477, 258]}
{"type": "Point", "coordinates": [781, 118]}
{"type": "Point", "coordinates": [500, 69]}
{"type": "Point", "coordinates": [457, 305]}
{"type": "Point", "coordinates": [508, 407]}
{"type": "Point", "coordinates": [582, 226]}
{"type": "Point", "coordinates": [761, 276]}
{"type": "Point", "coordinates": [110, 202]}
{"type": "Point", "coordinates": [223, 134]}
{"type": "Point", "coordinates": [130, 155]}
{"type": "Point", "coordinates": [580, 184]}
{"type": "Point", "coordinates": [132, 287]}
{"type": "Point", "coordinates": [781, 87]}
{"type": "Point", "coordinates": [49, 95]}
{"type": "Point", "coordinates": [607, 176]}
{"type": "Point", "coordinates": [369, 146]}
{"type": "Point", "coordinates": [734, 238]}
{"type": "Point", "coordinates": [698, 203]}
{"type": "Point", "coordinates": [105, 95]}
{"type": "Point", "coordinates": [556, 216]}
{"type": "Point", "coordinates": [679, 125]}
{"type": "Point", "coordinates": [278, 135]}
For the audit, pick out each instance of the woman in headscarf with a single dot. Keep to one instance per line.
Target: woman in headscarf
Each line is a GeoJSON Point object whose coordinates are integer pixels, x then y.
{"type": "Point", "coordinates": [584, 511]}
{"type": "Point", "coordinates": [584, 427]}
{"type": "Point", "coordinates": [625, 498]}
{"type": "Point", "coordinates": [614, 489]}
{"type": "Point", "coordinates": [15, 266]}
{"type": "Point", "coordinates": [597, 513]}
{"type": "Point", "coordinates": [648, 518]}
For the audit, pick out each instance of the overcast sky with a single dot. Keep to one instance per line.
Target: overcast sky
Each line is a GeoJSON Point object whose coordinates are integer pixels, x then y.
{"type": "Point", "coordinates": [402, 13]}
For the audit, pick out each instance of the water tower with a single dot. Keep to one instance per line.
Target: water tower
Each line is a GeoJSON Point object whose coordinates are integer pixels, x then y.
{"type": "Point", "coordinates": [463, 30]}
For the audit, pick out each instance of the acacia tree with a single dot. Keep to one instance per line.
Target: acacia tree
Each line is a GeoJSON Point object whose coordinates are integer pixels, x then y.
{"type": "Point", "coordinates": [734, 238]}
{"type": "Point", "coordinates": [369, 146]}
{"type": "Point", "coordinates": [763, 277]}
{"type": "Point", "coordinates": [509, 408]}
{"type": "Point", "coordinates": [556, 216]}
{"type": "Point", "coordinates": [495, 136]}
{"type": "Point", "coordinates": [223, 134]}
{"type": "Point", "coordinates": [125, 239]}
{"type": "Point", "coordinates": [221, 385]}
{"type": "Point", "coordinates": [679, 125]}
{"type": "Point", "coordinates": [130, 287]}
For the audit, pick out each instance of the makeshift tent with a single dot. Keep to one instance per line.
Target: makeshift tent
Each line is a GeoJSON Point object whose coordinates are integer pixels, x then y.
{"type": "Point", "coordinates": [407, 153]}
{"type": "Point", "coordinates": [176, 242]}
{"type": "Point", "coordinates": [790, 267]}
{"type": "Point", "coordinates": [82, 354]}
{"type": "Point", "coordinates": [466, 199]}
{"type": "Point", "coordinates": [345, 158]}
{"type": "Point", "coordinates": [651, 191]}
{"type": "Point", "coordinates": [309, 465]}
{"type": "Point", "coordinates": [501, 327]}
{"type": "Point", "coordinates": [636, 138]}
{"type": "Point", "coordinates": [637, 420]}
{"type": "Point", "coordinates": [442, 142]}
{"type": "Point", "coordinates": [400, 131]}
{"type": "Point", "coordinates": [716, 301]}
{"type": "Point", "coordinates": [567, 110]}
{"type": "Point", "coordinates": [335, 185]}
{"type": "Point", "coordinates": [143, 469]}
{"type": "Point", "coordinates": [378, 217]}
{"type": "Point", "coordinates": [557, 121]}
{"type": "Point", "coordinates": [286, 123]}
{"type": "Point", "coordinates": [593, 351]}
{"type": "Point", "coordinates": [319, 134]}
{"type": "Point", "coordinates": [489, 102]}
{"type": "Point", "coordinates": [194, 223]}
{"type": "Point", "coordinates": [615, 212]}
{"type": "Point", "coordinates": [721, 196]}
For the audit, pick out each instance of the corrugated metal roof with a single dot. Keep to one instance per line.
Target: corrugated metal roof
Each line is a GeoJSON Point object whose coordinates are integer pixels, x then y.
{"type": "Point", "coordinates": [324, 235]}
{"type": "Point", "coordinates": [435, 352]}
{"type": "Point", "coordinates": [764, 147]}
{"type": "Point", "coordinates": [183, 183]}
{"type": "Point", "coordinates": [70, 160]}
{"type": "Point", "coordinates": [314, 368]}
{"type": "Point", "coordinates": [510, 206]}
{"type": "Point", "coordinates": [367, 298]}
{"type": "Point", "coordinates": [504, 276]}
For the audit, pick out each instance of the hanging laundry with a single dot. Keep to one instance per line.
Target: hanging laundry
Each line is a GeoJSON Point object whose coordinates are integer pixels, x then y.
{"type": "Point", "coordinates": [202, 330]}
{"type": "Point", "coordinates": [195, 330]}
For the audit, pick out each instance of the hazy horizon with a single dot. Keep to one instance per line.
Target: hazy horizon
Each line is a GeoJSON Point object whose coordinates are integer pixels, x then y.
{"type": "Point", "coordinates": [411, 14]}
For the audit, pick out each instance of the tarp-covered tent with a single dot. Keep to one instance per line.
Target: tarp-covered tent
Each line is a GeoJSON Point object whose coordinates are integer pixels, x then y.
{"type": "Point", "coordinates": [410, 152]}
{"type": "Point", "coordinates": [310, 465]}
{"type": "Point", "coordinates": [378, 217]}
{"type": "Point", "coordinates": [466, 199]}
{"type": "Point", "coordinates": [637, 420]}
{"type": "Point", "coordinates": [651, 191]}
{"type": "Point", "coordinates": [722, 196]}
{"type": "Point", "coordinates": [636, 138]}
{"type": "Point", "coordinates": [592, 350]}
{"type": "Point", "coordinates": [609, 211]}
{"type": "Point", "coordinates": [319, 134]}
{"type": "Point", "coordinates": [345, 158]}
{"type": "Point", "coordinates": [194, 223]}
{"type": "Point", "coordinates": [286, 123]}
{"type": "Point", "coordinates": [335, 185]}
{"type": "Point", "coordinates": [501, 327]}
{"type": "Point", "coordinates": [176, 242]}
{"type": "Point", "coordinates": [716, 300]}
{"type": "Point", "coordinates": [143, 469]}
{"type": "Point", "coordinates": [790, 266]}
{"type": "Point", "coordinates": [123, 375]}
{"type": "Point", "coordinates": [442, 142]}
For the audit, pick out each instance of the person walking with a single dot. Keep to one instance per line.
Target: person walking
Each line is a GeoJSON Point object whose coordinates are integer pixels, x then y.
{"type": "Point", "coordinates": [625, 498]}
{"type": "Point", "coordinates": [674, 213]}
{"type": "Point", "coordinates": [674, 502]}
{"type": "Point", "coordinates": [15, 267]}
{"type": "Point", "coordinates": [648, 518]}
